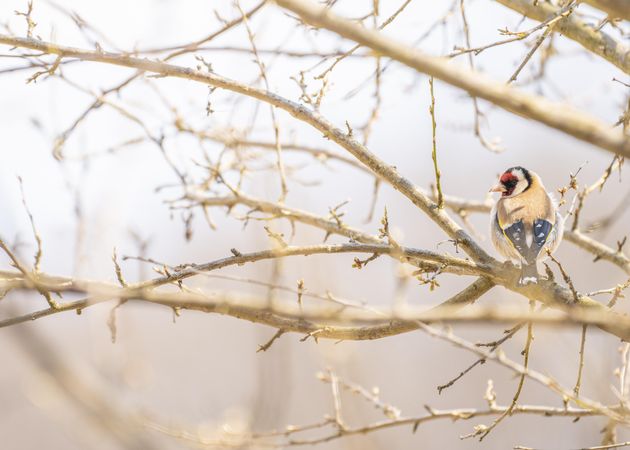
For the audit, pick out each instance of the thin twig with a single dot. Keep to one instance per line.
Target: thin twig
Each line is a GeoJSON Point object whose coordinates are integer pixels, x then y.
{"type": "Point", "coordinates": [578, 382]}
{"type": "Point", "coordinates": [438, 185]}
{"type": "Point", "coordinates": [521, 381]}
{"type": "Point", "coordinates": [38, 239]}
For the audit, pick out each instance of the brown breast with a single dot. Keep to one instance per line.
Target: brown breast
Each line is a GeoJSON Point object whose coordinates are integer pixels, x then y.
{"type": "Point", "coordinates": [528, 206]}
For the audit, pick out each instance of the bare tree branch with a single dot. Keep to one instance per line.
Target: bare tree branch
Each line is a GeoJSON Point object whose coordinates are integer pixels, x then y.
{"type": "Point", "coordinates": [560, 117]}
{"type": "Point", "coordinates": [596, 41]}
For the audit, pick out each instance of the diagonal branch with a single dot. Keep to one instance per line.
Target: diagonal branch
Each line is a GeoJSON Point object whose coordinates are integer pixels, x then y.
{"type": "Point", "coordinates": [601, 251]}
{"type": "Point", "coordinates": [595, 41]}
{"type": "Point", "coordinates": [321, 319]}
{"type": "Point", "coordinates": [614, 8]}
{"type": "Point", "coordinates": [560, 117]}
{"type": "Point", "coordinates": [548, 292]}
{"type": "Point", "coordinates": [317, 321]}
{"type": "Point", "coordinates": [282, 211]}
{"type": "Point", "coordinates": [379, 167]}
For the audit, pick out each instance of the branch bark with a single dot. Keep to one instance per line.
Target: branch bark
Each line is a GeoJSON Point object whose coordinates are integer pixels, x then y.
{"type": "Point", "coordinates": [614, 8]}
{"type": "Point", "coordinates": [601, 251]}
{"type": "Point", "coordinates": [332, 320]}
{"type": "Point", "coordinates": [597, 42]}
{"type": "Point", "coordinates": [285, 318]}
{"type": "Point", "coordinates": [320, 322]}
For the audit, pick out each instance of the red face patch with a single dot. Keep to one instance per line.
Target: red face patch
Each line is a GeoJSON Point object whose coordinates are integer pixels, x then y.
{"type": "Point", "coordinates": [507, 177]}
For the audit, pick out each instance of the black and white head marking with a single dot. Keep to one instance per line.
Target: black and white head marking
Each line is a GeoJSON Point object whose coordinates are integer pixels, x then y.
{"type": "Point", "coordinates": [515, 180]}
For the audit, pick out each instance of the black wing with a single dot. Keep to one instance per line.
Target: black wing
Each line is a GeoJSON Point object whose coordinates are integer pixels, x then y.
{"type": "Point", "coordinates": [518, 237]}
{"type": "Point", "coordinates": [541, 231]}
{"type": "Point", "coordinates": [516, 234]}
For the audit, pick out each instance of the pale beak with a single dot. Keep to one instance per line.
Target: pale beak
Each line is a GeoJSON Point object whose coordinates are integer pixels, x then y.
{"type": "Point", "coordinates": [498, 188]}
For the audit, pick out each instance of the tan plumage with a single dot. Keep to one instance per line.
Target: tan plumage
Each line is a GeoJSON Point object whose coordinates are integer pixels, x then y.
{"type": "Point", "coordinates": [534, 203]}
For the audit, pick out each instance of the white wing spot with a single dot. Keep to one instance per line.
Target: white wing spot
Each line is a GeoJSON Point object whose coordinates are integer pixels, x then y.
{"type": "Point", "coordinates": [541, 235]}
{"type": "Point", "coordinates": [529, 280]}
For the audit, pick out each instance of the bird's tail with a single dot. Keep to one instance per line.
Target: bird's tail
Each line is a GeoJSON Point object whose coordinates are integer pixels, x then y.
{"type": "Point", "coordinates": [529, 273]}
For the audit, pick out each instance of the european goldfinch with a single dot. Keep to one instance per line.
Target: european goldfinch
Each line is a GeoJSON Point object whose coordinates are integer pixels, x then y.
{"type": "Point", "coordinates": [525, 221]}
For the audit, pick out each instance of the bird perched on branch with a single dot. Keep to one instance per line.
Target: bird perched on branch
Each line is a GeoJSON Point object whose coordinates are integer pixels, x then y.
{"type": "Point", "coordinates": [525, 221]}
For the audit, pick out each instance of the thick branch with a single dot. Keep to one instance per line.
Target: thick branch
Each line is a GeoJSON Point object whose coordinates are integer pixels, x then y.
{"type": "Point", "coordinates": [560, 117]}
{"type": "Point", "coordinates": [547, 292]}
{"type": "Point", "coordinates": [598, 249]}
{"type": "Point", "coordinates": [574, 28]}
{"type": "Point", "coordinates": [322, 319]}
{"type": "Point", "coordinates": [614, 8]}
{"type": "Point", "coordinates": [461, 265]}
{"type": "Point", "coordinates": [318, 321]}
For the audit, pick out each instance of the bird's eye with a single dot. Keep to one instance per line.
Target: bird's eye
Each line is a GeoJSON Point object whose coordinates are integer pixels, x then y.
{"type": "Point", "coordinates": [510, 183]}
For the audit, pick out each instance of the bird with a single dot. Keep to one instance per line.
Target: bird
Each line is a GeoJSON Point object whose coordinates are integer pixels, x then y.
{"type": "Point", "coordinates": [525, 221]}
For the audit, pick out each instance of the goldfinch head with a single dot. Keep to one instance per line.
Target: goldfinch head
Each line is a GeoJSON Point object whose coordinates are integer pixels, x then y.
{"type": "Point", "coordinates": [513, 181]}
